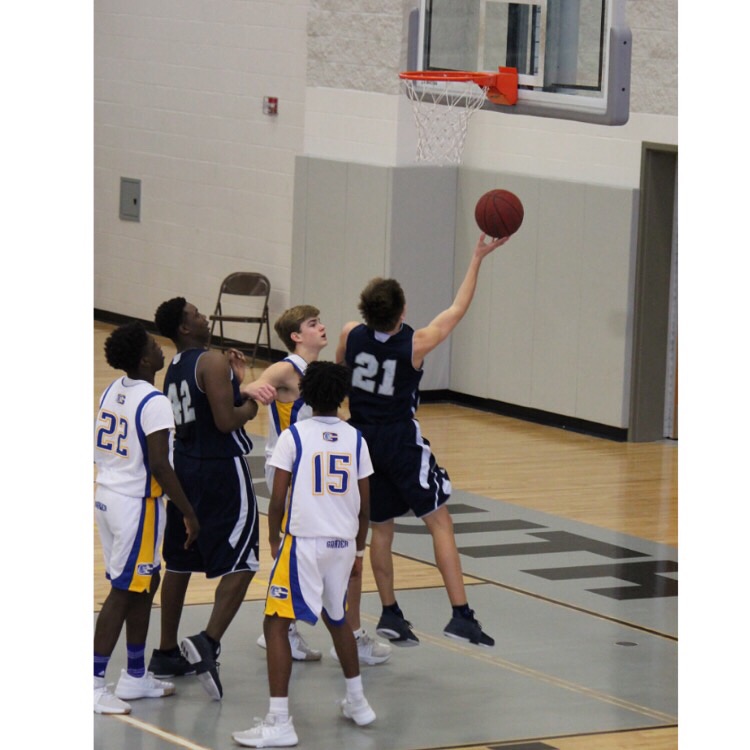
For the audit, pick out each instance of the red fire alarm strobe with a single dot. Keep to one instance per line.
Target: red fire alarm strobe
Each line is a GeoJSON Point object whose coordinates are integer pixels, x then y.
{"type": "Point", "coordinates": [270, 105]}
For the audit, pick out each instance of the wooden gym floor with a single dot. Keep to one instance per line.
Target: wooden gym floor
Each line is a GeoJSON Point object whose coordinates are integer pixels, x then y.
{"type": "Point", "coordinates": [569, 547]}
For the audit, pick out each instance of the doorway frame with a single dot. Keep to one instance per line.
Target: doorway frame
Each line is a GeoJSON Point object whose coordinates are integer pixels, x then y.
{"type": "Point", "coordinates": [653, 292]}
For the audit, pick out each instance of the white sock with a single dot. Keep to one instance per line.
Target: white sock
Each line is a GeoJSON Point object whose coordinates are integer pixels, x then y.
{"type": "Point", "coordinates": [354, 689]}
{"type": "Point", "coordinates": [358, 633]}
{"type": "Point", "coordinates": [279, 707]}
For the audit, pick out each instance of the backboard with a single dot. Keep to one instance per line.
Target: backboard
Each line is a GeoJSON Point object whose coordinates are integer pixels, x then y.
{"type": "Point", "coordinates": [572, 56]}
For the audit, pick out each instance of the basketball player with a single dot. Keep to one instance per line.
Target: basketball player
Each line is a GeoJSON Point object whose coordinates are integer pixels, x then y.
{"type": "Point", "coordinates": [131, 452]}
{"type": "Point", "coordinates": [210, 459]}
{"type": "Point", "coordinates": [304, 335]}
{"type": "Point", "coordinates": [324, 526]}
{"type": "Point", "coordinates": [386, 357]}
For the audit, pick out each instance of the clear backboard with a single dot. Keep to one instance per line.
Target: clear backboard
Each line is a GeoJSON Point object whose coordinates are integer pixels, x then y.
{"type": "Point", "coordinates": [572, 56]}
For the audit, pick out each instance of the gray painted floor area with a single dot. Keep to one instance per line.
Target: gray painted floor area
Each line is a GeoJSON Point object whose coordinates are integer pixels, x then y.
{"type": "Point", "coordinates": [585, 623]}
{"type": "Point", "coordinates": [554, 671]}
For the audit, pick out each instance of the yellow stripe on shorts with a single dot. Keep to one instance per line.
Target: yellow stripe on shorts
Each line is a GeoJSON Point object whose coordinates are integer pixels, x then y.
{"type": "Point", "coordinates": [143, 568]}
{"type": "Point", "coordinates": [279, 599]}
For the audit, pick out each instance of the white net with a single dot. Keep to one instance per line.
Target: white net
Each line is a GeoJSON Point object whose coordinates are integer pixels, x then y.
{"type": "Point", "coordinates": [442, 112]}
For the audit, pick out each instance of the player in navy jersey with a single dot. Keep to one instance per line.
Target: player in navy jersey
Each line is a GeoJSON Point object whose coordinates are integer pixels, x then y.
{"type": "Point", "coordinates": [304, 335]}
{"type": "Point", "coordinates": [386, 358]}
{"type": "Point", "coordinates": [132, 444]}
{"type": "Point", "coordinates": [210, 459]}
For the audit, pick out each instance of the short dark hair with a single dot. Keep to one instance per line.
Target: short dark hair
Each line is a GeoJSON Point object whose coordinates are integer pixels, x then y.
{"type": "Point", "coordinates": [382, 303]}
{"type": "Point", "coordinates": [125, 346]}
{"type": "Point", "coordinates": [325, 385]}
{"type": "Point", "coordinates": [168, 317]}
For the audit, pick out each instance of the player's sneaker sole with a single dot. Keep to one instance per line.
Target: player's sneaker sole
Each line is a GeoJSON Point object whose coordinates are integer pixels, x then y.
{"type": "Point", "coordinates": [197, 650]}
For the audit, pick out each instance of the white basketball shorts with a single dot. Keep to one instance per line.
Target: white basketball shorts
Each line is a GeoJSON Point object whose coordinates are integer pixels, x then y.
{"type": "Point", "coordinates": [310, 575]}
{"type": "Point", "coordinates": [131, 530]}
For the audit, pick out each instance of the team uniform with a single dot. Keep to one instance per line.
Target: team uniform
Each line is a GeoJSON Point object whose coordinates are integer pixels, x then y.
{"type": "Point", "coordinates": [213, 470]}
{"type": "Point", "coordinates": [383, 402]}
{"type": "Point", "coordinates": [326, 457]}
{"type": "Point", "coordinates": [284, 414]}
{"type": "Point", "coordinates": [129, 503]}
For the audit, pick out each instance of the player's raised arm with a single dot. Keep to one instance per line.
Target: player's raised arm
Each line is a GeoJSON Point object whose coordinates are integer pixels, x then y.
{"type": "Point", "coordinates": [434, 333]}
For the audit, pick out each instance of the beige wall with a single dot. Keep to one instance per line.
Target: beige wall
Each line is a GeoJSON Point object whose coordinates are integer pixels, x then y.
{"type": "Point", "coordinates": [551, 324]}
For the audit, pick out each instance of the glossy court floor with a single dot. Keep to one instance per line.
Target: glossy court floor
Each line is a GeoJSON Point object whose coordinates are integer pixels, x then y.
{"type": "Point", "coordinates": [585, 622]}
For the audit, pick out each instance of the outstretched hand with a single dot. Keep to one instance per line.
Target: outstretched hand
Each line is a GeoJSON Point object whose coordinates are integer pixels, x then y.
{"type": "Point", "coordinates": [483, 249]}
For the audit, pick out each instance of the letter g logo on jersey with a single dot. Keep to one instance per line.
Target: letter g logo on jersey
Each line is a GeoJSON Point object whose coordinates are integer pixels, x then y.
{"type": "Point", "coordinates": [279, 592]}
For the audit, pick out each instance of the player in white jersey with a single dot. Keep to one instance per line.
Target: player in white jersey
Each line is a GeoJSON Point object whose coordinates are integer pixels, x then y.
{"type": "Point", "coordinates": [304, 335]}
{"type": "Point", "coordinates": [324, 521]}
{"type": "Point", "coordinates": [132, 447]}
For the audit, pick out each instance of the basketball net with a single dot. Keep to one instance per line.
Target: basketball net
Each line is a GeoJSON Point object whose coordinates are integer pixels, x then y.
{"type": "Point", "coordinates": [442, 116]}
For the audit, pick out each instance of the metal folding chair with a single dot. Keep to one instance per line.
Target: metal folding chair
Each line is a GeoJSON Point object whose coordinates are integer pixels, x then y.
{"type": "Point", "coordinates": [243, 284]}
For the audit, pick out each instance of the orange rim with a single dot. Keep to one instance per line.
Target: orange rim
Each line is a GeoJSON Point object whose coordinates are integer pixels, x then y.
{"type": "Point", "coordinates": [502, 87]}
{"type": "Point", "coordinates": [450, 76]}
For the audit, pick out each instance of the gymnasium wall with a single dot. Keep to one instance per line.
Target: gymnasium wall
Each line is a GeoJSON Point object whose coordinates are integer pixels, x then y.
{"type": "Point", "coordinates": [550, 328]}
{"type": "Point", "coordinates": [178, 105]}
{"type": "Point", "coordinates": [357, 221]}
{"type": "Point", "coordinates": [179, 90]}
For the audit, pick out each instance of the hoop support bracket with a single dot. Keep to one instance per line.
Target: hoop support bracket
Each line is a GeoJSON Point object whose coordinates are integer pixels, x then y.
{"type": "Point", "coordinates": [504, 88]}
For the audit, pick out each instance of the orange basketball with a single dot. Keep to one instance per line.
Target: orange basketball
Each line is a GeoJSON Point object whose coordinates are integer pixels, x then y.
{"type": "Point", "coordinates": [499, 213]}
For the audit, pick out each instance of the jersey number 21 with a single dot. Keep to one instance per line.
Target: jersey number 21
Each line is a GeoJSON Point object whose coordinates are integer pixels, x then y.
{"type": "Point", "coordinates": [370, 374]}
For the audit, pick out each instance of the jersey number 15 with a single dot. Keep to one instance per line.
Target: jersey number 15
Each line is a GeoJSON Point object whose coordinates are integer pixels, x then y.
{"type": "Point", "coordinates": [331, 473]}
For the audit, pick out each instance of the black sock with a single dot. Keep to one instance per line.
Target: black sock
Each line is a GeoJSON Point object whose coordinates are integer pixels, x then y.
{"type": "Point", "coordinates": [463, 611]}
{"type": "Point", "coordinates": [174, 651]}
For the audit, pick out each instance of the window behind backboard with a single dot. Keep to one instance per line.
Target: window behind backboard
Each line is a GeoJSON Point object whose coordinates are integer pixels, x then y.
{"type": "Point", "coordinates": [572, 56]}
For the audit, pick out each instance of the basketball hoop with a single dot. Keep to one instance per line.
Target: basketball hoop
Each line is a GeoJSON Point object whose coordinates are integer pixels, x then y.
{"type": "Point", "coordinates": [443, 102]}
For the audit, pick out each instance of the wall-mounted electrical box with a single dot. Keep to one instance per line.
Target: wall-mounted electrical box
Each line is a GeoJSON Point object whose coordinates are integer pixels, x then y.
{"type": "Point", "coordinates": [130, 199]}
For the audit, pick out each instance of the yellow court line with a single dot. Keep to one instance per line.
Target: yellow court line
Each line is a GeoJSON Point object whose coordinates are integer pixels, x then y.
{"type": "Point", "coordinates": [168, 736]}
{"type": "Point", "coordinates": [484, 655]}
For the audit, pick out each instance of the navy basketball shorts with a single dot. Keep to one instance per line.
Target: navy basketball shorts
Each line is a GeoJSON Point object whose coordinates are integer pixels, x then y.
{"type": "Point", "coordinates": [407, 476]}
{"type": "Point", "coordinates": [221, 492]}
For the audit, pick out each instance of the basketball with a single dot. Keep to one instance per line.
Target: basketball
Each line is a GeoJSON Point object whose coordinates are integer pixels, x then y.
{"type": "Point", "coordinates": [499, 213]}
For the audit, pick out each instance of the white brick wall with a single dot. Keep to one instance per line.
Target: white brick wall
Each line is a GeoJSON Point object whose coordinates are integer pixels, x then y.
{"type": "Point", "coordinates": [178, 104]}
